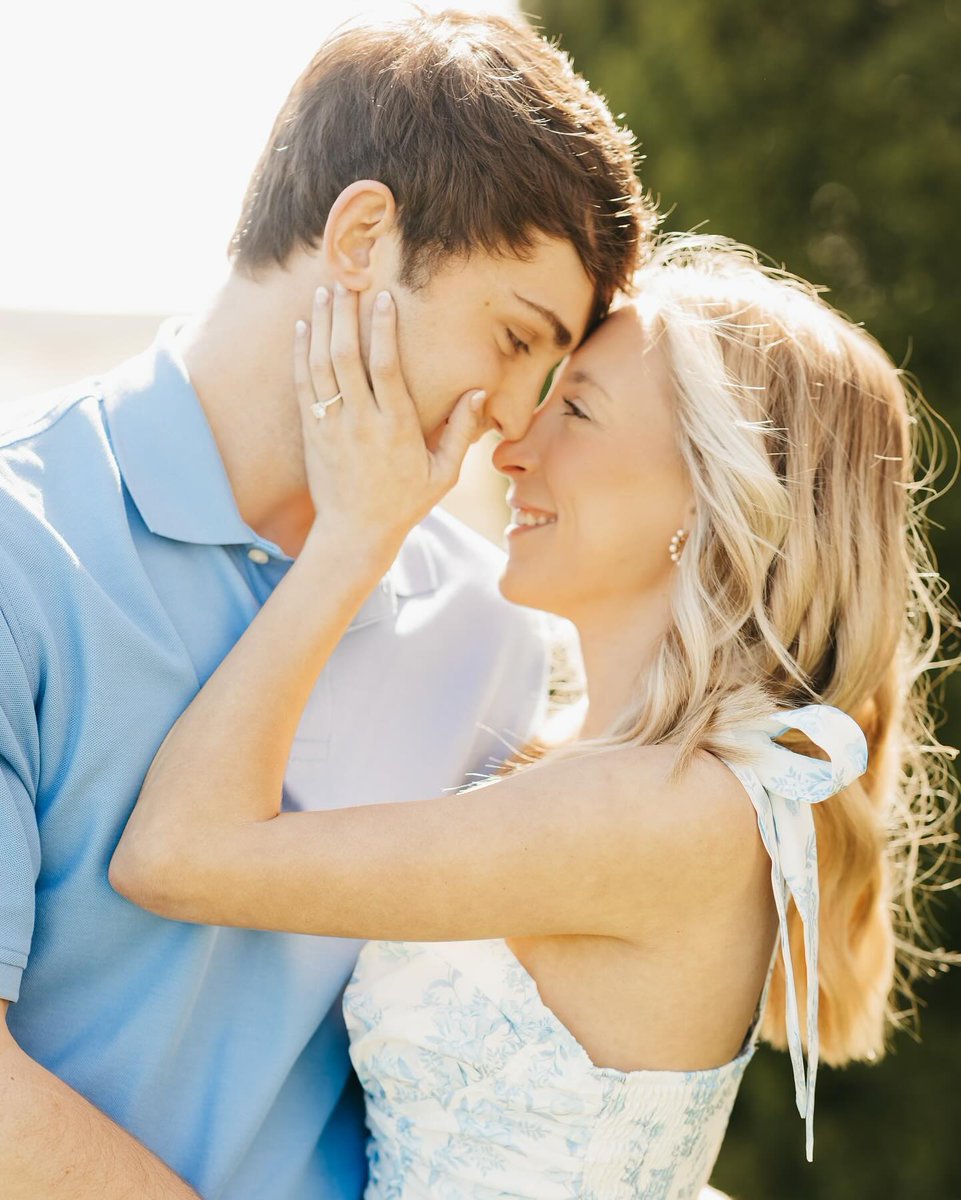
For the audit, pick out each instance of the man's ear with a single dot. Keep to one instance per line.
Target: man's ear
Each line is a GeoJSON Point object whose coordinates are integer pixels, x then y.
{"type": "Point", "coordinates": [363, 213]}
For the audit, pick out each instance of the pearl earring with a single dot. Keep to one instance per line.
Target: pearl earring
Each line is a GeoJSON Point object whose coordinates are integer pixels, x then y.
{"type": "Point", "coordinates": [677, 545]}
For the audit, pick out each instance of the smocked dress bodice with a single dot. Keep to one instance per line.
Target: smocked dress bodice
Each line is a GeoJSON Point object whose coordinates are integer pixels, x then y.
{"type": "Point", "coordinates": [475, 1089]}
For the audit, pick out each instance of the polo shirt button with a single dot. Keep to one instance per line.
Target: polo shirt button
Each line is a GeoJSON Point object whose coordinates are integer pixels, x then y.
{"type": "Point", "coordinates": [255, 554]}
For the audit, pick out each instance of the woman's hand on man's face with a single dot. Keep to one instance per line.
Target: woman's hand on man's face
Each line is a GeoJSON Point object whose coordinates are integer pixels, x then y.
{"type": "Point", "coordinates": [369, 469]}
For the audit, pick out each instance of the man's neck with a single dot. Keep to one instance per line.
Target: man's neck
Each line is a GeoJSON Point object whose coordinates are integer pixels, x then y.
{"type": "Point", "coordinates": [239, 354]}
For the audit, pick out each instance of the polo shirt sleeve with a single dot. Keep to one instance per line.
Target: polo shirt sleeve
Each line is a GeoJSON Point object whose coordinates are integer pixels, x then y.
{"type": "Point", "coordinates": [19, 840]}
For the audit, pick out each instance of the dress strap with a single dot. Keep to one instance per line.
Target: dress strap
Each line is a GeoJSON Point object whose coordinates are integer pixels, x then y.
{"type": "Point", "coordinates": [783, 785]}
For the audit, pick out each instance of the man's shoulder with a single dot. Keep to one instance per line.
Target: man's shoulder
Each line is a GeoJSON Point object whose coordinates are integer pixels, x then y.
{"type": "Point", "coordinates": [28, 418]}
{"type": "Point", "coordinates": [49, 445]}
{"type": "Point", "coordinates": [54, 456]}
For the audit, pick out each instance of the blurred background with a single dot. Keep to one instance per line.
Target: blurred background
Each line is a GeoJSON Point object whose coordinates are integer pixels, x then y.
{"type": "Point", "coordinates": [826, 134]}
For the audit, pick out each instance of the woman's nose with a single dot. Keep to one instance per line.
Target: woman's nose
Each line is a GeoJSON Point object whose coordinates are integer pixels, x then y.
{"type": "Point", "coordinates": [516, 457]}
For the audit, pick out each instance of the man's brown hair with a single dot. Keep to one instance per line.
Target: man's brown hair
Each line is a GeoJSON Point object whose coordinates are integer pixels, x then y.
{"type": "Point", "coordinates": [481, 129]}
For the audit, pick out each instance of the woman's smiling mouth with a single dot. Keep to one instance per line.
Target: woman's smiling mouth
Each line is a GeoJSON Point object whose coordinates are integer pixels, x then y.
{"type": "Point", "coordinates": [525, 519]}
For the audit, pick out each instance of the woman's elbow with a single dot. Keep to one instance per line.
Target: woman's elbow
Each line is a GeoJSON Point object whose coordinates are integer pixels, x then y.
{"type": "Point", "coordinates": [142, 871]}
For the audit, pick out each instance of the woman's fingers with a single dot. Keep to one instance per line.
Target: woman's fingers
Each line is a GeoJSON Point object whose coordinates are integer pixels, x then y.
{"type": "Point", "coordinates": [345, 359]}
{"type": "Point", "coordinates": [373, 434]}
{"type": "Point", "coordinates": [393, 399]}
{"type": "Point", "coordinates": [303, 376]}
{"type": "Point", "coordinates": [456, 439]}
{"type": "Point", "coordinates": [322, 376]}
{"type": "Point", "coordinates": [390, 390]}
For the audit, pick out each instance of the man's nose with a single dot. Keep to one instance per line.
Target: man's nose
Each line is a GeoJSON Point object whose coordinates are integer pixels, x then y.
{"type": "Point", "coordinates": [512, 406]}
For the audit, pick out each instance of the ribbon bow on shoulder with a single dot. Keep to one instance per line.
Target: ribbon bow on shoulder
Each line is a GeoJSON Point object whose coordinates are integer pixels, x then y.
{"type": "Point", "coordinates": [790, 784]}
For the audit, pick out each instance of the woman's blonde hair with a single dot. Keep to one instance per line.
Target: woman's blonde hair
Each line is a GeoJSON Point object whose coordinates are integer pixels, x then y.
{"type": "Point", "coordinates": [807, 577]}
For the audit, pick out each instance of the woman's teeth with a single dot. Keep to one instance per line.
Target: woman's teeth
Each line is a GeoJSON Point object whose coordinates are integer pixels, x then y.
{"type": "Point", "coordinates": [520, 516]}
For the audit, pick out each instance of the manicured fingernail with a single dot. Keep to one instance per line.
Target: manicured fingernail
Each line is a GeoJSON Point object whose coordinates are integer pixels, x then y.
{"type": "Point", "coordinates": [301, 328]}
{"type": "Point", "coordinates": [477, 401]}
{"type": "Point", "coordinates": [383, 301]}
{"type": "Point", "coordinates": [339, 289]}
{"type": "Point", "coordinates": [321, 296]}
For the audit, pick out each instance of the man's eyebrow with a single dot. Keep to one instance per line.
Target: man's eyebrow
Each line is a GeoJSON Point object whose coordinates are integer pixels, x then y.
{"type": "Point", "coordinates": [562, 335]}
{"type": "Point", "coordinates": [583, 377]}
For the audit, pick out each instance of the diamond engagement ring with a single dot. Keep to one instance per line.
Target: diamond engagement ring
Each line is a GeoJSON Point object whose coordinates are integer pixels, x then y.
{"type": "Point", "coordinates": [319, 408]}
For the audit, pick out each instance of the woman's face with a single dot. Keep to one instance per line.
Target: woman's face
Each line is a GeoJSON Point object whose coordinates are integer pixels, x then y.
{"type": "Point", "coordinates": [600, 467]}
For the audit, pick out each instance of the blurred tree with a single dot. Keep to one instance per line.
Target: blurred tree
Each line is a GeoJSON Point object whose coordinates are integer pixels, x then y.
{"type": "Point", "coordinates": [829, 136]}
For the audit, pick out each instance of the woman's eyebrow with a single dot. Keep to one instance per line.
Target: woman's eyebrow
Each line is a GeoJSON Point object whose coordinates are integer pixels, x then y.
{"type": "Point", "coordinates": [562, 335]}
{"type": "Point", "coordinates": [583, 377]}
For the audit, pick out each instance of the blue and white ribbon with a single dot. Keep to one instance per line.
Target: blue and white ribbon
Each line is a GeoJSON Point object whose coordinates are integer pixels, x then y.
{"type": "Point", "coordinates": [790, 784]}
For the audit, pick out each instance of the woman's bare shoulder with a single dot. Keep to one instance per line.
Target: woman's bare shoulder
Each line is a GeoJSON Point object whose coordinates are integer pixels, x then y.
{"type": "Point", "coordinates": [688, 827]}
{"type": "Point", "coordinates": [641, 788]}
{"type": "Point", "coordinates": [647, 777]}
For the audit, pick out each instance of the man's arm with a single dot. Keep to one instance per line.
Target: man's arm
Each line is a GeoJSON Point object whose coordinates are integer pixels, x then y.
{"type": "Point", "coordinates": [55, 1144]}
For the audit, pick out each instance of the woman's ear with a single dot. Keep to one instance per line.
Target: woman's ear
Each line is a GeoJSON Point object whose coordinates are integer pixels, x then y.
{"type": "Point", "coordinates": [362, 214]}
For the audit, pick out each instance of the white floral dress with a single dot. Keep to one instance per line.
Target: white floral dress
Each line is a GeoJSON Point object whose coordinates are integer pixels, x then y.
{"type": "Point", "coordinates": [475, 1089]}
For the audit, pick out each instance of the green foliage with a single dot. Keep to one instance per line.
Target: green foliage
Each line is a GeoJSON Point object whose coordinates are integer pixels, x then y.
{"type": "Point", "coordinates": [829, 136]}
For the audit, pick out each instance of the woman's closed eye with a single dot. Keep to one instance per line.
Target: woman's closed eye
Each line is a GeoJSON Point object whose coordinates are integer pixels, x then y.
{"type": "Point", "coordinates": [574, 410]}
{"type": "Point", "coordinates": [518, 346]}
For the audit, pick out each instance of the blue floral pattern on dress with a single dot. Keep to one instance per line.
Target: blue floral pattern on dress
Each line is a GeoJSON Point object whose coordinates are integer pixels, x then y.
{"type": "Point", "coordinates": [475, 1089]}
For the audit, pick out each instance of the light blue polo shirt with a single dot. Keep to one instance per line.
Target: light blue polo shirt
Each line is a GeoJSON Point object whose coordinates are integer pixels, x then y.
{"type": "Point", "coordinates": [126, 573]}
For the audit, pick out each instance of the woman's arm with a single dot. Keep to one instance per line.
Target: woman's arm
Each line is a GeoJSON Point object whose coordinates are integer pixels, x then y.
{"type": "Point", "coordinates": [568, 846]}
{"type": "Point", "coordinates": [556, 848]}
{"type": "Point", "coordinates": [577, 845]}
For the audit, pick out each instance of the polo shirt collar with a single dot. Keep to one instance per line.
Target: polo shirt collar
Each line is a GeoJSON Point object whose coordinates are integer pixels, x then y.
{"type": "Point", "coordinates": [172, 468]}
{"type": "Point", "coordinates": [166, 451]}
